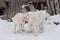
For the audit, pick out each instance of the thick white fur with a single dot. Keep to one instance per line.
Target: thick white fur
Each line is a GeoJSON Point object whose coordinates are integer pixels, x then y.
{"type": "Point", "coordinates": [43, 15]}
{"type": "Point", "coordinates": [36, 20]}
{"type": "Point", "coordinates": [18, 19]}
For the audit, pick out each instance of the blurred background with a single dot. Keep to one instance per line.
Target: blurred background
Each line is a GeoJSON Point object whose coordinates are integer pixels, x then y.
{"type": "Point", "coordinates": [8, 8]}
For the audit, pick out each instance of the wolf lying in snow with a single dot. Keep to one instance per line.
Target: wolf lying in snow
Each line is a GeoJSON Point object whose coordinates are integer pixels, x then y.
{"type": "Point", "coordinates": [36, 20]}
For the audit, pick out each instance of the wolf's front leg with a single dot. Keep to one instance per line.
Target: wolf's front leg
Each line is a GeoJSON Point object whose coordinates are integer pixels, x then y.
{"type": "Point", "coordinates": [20, 28]}
{"type": "Point", "coordinates": [31, 28]}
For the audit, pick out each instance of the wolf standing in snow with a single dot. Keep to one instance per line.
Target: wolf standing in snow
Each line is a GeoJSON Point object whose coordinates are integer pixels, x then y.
{"type": "Point", "coordinates": [36, 20]}
{"type": "Point", "coordinates": [18, 20]}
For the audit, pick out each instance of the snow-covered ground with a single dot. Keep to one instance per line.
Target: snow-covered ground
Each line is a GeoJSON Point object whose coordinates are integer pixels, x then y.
{"type": "Point", "coordinates": [51, 31]}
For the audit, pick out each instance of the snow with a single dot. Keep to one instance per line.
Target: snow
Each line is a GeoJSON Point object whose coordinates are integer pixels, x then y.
{"type": "Point", "coordinates": [51, 31]}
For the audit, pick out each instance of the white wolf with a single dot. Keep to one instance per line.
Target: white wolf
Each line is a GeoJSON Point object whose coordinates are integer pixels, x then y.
{"type": "Point", "coordinates": [36, 20]}
{"type": "Point", "coordinates": [18, 20]}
